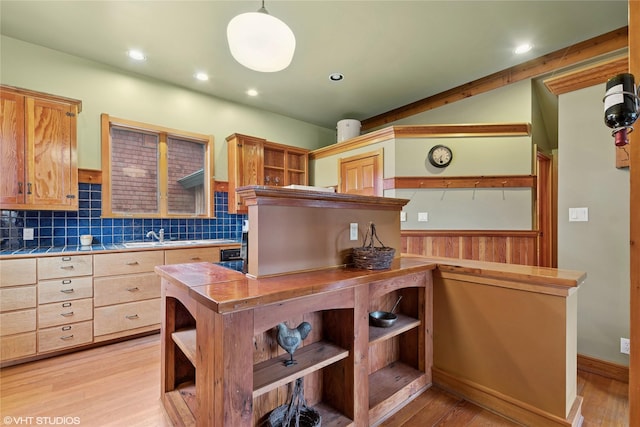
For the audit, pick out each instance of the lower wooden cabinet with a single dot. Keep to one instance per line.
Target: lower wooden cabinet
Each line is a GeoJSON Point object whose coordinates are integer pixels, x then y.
{"type": "Point", "coordinates": [60, 313]}
{"type": "Point", "coordinates": [61, 337]}
{"type": "Point", "coordinates": [18, 345]}
{"type": "Point", "coordinates": [125, 317]}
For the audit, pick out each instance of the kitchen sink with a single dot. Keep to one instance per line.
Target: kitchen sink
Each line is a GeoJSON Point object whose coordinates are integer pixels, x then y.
{"type": "Point", "coordinates": [155, 244]}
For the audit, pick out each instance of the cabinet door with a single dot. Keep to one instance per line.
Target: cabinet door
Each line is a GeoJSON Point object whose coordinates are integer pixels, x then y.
{"type": "Point", "coordinates": [246, 166]}
{"type": "Point", "coordinates": [51, 143]}
{"type": "Point", "coordinates": [12, 149]}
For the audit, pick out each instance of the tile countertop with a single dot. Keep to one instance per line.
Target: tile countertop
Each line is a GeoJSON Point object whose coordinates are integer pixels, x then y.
{"type": "Point", "coordinates": [94, 249]}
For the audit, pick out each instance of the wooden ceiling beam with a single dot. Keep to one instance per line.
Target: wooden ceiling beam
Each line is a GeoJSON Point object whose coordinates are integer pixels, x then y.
{"type": "Point", "coordinates": [575, 54]}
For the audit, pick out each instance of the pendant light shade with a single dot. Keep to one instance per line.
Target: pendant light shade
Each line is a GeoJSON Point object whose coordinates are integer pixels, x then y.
{"type": "Point", "coordinates": [261, 42]}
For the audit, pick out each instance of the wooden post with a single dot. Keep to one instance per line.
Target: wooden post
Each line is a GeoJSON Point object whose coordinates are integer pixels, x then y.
{"type": "Point", "coordinates": [634, 231]}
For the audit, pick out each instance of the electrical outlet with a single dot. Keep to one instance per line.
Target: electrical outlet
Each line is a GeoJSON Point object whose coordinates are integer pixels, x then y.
{"type": "Point", "coordinates": [625, 346]}
{"type": "Point", "coordinates": [423, 216]}
{"type": "Point", "coordinates": [27, 234]}
{"type": "Point", "coordinates": [353, 231]}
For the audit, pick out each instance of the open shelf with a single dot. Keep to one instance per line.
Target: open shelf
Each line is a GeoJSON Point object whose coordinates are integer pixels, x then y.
{"type": "Point", "coordinates": [185, 339]}
{"type": "Point", "coordinates": [403, 324]}
{"type": "Point", "coordinates": [396, 378]}
{"type": "Point", "coordinates": [331, 417]}
{"type": "Point", "coordinates": [182, 401]}
{"type": "Point", "coordinates": [272, 373]}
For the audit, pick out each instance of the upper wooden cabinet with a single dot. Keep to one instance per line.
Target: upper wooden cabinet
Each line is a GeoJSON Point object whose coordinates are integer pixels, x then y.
{"type": "Point", "coordinates": [38, 150]}
{"type": "Point", "coordinates": [256, 161]}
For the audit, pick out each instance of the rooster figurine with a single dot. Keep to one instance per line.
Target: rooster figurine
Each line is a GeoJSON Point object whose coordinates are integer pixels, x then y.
{"type": "Point", "coordinates": [290, 339]}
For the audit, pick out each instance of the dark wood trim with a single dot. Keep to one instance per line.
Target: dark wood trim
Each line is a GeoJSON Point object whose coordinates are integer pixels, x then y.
{"type": "Point", "coordinates": [221, 186]}
{"type": "Point", "coordinates": [588, 76]}
{"type": "Point", "coordinates": [425, 131]}
{"type": "Point", "coordinates": [495, 181]}
{"type": "Point", "coordinates": [501, 233]}
{"type": "Point", "coordinates": [575, 54]}
{"type": "Point", "coordinates": [634, 233]}
{"type": "Point", "coordinates": [603, 368]}
{"type": "Point", "coordinates": [89, 176]}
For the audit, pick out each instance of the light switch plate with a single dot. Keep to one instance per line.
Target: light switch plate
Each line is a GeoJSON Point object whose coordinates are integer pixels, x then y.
{"type": "Point", "coordinates": [353, 231]}
{"type": "Point", "coordinates": [578, 214]}
{"type": "Point", "coordinates": [27, 234]}
{"type": "Point", "coordinates": [423, 216]}
{"type": "Point", "coordinates": [403, 216]}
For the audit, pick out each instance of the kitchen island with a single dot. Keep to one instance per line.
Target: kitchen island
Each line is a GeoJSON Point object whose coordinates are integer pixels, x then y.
{"type": "Point", "coordinates": [221, 365]}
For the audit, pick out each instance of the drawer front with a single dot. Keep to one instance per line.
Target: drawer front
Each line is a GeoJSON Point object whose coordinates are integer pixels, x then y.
{"type": "Point", "coordinates": [65, 289]}
{"type": "Point", "coordinates": [14, 272]}
{"type": "Point", "coordinates": [122, 317]}
{"type": "Point", "coordinates": [122, 289]}
{"type": "Point", "coordinates": [17, 298]}
{"type": "Point", "coordinates": [60, 313]}
{"type": "Point", "coordinates": [16, 322]}
{"type": "Point", "coordinates": [65, 336]}
{"type": "Point", "coordinates": [182, 256]}
{"type": "Point", "coordinates": [64, 266]}
{"type": "Point", "coordinates": [127, 263]}
{"type": "Point", "coordinates": [16, 346]}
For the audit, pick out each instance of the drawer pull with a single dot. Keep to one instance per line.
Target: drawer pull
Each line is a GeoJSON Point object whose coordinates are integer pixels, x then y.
{"type": "Point", "coordinates": [67, 314]}
{"type": "Point", "coordinates": [195, 258]}
{"type": "Point", "coordinates": [66, 267]}
{"type": "Point", "coordinates": [132, 263]}
{"type": "Point", "coordinates": [67, 291]}
{"type": "Point", "coordinates": [66, 328]}
{"type": "Point", "coordinates": [66, 304]}
{"type": "Point", "coordinates": [67, 337]}
{"type": "Point", "coordinates": [132, 316]}
{"type": "Point", "coordinates": [136, 289]}
{"type": "Point", "coordinates": [66, 282]}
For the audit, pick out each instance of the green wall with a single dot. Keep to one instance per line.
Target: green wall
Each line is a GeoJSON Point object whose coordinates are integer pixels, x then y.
{"type": "Point", "coordinates": [587, 177]}
{"type": "Point", "coordinates": [104, 89]}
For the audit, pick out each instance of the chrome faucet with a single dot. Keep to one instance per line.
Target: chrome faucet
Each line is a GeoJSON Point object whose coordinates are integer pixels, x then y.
{"type": "Point", "coordinates": [159, 237]}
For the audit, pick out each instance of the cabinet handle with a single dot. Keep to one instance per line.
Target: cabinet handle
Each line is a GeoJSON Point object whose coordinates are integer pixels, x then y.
{"type": "Point", "coordinates": [66, 328]}
{"type": "Point", "coordinates": [136, 289]}
{"type": "Point", "coordinates": [132, 316]}
{"type": "Point", "coordinates": [19, 188]}
{"type": "Point", "coordinates": [68, 314]}
{"type": "Point", "coordinates": [132, 263]}
{"type": "Point", "coordinates": [195, 258]}
{"type": "Point", "coordinates": [67, 337]}
{"type": "Point", "coordinates": [67, 291]}
{"type": "Point", "coordinates": [28, 188]}
{"type": "Point", "coordinates": [66, 267]}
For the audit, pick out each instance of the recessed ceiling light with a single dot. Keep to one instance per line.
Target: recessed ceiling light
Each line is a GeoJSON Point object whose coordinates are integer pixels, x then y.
{"type": "Point", "coordinates": [203, 77]}
{"type": "Point", "coordinates": [336, 77]}
{"type": "Point", "coordinates": [137, 55]}
{"type": "Point", "coordinates": [523, 48]}
{"type": "Point", "coordinates": [252, 92]}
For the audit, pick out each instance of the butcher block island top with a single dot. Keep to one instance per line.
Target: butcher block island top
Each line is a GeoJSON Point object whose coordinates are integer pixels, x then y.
{"type": "Point", "coordinates": [223, 290]}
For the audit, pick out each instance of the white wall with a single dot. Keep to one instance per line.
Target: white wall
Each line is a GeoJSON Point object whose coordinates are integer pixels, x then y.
{"type": "Point", "coordinates": [587, 177]}
{"type": "Point", "coordinates": [104, 89]}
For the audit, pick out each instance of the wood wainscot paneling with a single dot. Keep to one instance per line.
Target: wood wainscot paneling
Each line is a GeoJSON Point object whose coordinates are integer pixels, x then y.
{"type": "Point", "coordinates": [507, 246]}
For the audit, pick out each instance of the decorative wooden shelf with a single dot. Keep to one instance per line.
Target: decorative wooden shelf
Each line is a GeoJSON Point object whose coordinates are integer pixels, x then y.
{"type": "Point", "coordinates": [403, 324]}
{"type": "Point", "coordinates": [186, 341]}
{"type": "Point", "coordinates": [272, 373]}
{"type": "Point", "coordinates": [494, 181]}
{"type": "Point", "coordinates": [182, 401]}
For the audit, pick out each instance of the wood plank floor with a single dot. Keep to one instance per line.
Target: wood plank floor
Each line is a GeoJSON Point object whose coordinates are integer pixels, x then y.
{"type": "Point", "coordinates": [119, 385]}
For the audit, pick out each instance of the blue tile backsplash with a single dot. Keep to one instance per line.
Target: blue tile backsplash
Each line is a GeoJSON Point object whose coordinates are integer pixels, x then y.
{"type": "Point", "coordinates": [64, 228]}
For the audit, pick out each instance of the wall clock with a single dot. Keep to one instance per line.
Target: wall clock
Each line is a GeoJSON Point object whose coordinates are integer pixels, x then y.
{"type": "Point", "coordinates": [440, 156]}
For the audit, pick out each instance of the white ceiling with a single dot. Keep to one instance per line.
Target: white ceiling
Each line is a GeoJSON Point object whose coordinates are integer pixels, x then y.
{"type": "Point", "coordinates": [392, 53]}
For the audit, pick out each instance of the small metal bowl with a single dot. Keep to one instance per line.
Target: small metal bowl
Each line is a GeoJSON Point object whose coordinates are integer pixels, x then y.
{"type": "Point", "coordinates": [382, 319]}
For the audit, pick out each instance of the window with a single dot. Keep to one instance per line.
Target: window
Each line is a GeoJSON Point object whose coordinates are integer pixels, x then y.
{"type": "Point", "coordinates": [154, 172]}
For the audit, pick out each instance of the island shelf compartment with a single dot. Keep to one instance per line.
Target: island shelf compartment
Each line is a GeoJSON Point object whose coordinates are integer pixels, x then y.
{"type": "Point", "coordinates": [400, 357]}
{"type": "Point", "coordinates": [325, 359]}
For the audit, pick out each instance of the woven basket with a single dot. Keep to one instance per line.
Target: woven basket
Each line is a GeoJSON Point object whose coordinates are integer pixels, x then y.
{"type": "Point", "coordinates": [370, 257]}
{"type": "Point", "coordinates": [296, 413]}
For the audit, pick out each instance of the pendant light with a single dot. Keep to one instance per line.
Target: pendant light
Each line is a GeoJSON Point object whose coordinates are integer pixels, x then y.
{"type": "Point", "coordinates": [261, 42]}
